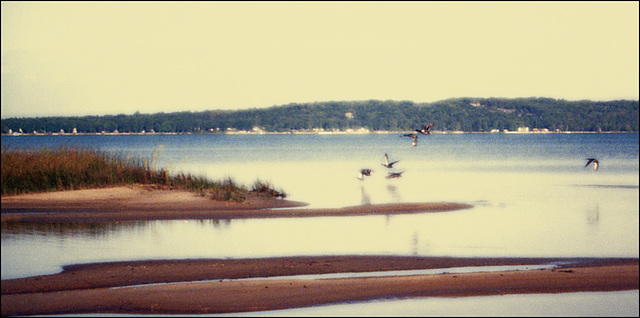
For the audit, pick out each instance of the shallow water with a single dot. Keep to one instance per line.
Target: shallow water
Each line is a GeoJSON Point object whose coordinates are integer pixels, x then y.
{"type": "Point", "coordinates": [587, 304]}
{"type": "Point", "coordinates": [532, 196]}
{"type": "Point", "coordinates": [602, 224]}
{"type": "Point", "coordinates": [396, 273]}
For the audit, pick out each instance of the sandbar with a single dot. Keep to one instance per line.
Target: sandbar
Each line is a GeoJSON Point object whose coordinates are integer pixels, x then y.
{"type": "Point", "coordinates": [212, 286]}
{"type": "Point", "coordinates": [142, 203]}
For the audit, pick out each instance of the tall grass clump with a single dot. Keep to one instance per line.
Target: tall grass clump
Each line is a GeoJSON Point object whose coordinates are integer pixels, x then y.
{"type": "Point", "coordinates": [71, 168]}
{"type": "Point", "coordinates": [266, 189]}
{"type": "Point", "coordinates": [67, 168]}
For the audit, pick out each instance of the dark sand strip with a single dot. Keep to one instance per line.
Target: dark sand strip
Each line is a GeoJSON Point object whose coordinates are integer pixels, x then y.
{"type": "Point", "coordinates": [87, 293]}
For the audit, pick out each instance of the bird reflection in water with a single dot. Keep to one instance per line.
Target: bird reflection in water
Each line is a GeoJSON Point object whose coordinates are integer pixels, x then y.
{"type": "Point", "coordinates": [593, 215]}
{"type": "Point", "coordinates": [415, 240]}
{"type": "Point", "coordinates": [364, 196]}
{"type": "Point", "coordinates": [393, 191]}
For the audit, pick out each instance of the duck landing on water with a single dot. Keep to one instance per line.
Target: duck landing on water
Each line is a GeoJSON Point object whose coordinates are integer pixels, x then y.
{"type": "Point", "coordinates": [595, 161]}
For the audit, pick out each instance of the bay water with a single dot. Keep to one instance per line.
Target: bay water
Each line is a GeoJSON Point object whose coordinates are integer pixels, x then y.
{"type": "Point", "coordinates": [532, 196]}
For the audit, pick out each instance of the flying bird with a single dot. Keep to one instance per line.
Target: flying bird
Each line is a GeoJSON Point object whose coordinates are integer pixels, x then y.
{"type": "Point", "coordinates": [393, 175]}
{"type": "Point", "coordinates": [387, 163]}
{"type": "Point", "coordinates": [364, 172]}
{"type": "Point", "coordinates": [425, 129]}
{"type": "Point", "coordinates": [595, 161]}
{"type": "Point", "coordinates": [414, 138]}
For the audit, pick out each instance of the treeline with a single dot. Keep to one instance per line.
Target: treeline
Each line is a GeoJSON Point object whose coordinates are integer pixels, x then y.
{"type": "Point", "coordinates": [463, 114]}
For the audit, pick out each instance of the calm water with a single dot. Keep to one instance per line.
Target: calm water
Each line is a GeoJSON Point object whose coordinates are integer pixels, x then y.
{"type": "Point", "coordinates": [531, 193]}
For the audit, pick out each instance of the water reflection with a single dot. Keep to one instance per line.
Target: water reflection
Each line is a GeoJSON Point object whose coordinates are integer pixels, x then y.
{"type": "Point", "coordinates": [94, 230]}
{"type": "Point", "coordinates": [415, 243]}
{"type": "Point", "coordinates": [593, 215]}
{"type": "Point", "coordinates": [216, 223]}
{"type": "Point", "coordinates": [67, 229]}
{"type": "Point", "coordinates": [393, 192]}
{"type": "Point", "coordinates": [365, 199]}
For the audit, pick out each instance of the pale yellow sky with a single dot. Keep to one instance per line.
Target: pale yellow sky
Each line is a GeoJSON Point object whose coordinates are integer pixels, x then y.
{"type": "Point", "coordinates": [75, 58]}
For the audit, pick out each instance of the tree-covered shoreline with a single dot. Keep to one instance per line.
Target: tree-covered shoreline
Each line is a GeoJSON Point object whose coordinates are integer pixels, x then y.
{"type": "Point", "coordinates": [457, 114]}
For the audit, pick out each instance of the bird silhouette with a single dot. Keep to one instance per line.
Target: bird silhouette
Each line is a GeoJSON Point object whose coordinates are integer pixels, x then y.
{"type": "Point", "coordinates": [425, 129]}
{"type": "Point", "coordinates": [393, 175]}
{"type": "Point", "coordinates": [364, 172]}
{"type": "Point", "coordinates": [414, 138]}
{"type": "Point", "coordinates": [595, 161]}
{"type": "Point", "coordinates": [387, 163]}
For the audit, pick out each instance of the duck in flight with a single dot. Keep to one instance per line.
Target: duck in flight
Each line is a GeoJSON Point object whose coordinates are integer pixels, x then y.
{"type": "Point", "coordinates": [414, 138]}
{"type": "Point", "coordinates": [363, 173]}
{"type": "Point", "coordinates": [425, 129]}
{"type": "Point", "coordinates": [595, 161]}
{"type": "Point", "coordinates": [393, 175]}
{"type": "Point", "coordinates": [387, 163]}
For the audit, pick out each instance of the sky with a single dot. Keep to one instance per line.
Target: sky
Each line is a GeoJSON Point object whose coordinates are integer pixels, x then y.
{"type": "Point", "coordinates": [98, 58]}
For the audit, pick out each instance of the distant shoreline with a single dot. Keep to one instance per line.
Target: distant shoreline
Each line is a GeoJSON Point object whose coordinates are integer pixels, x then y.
{"type": "Point", "coordinates": [468, 114]}
{"type": "Point", "coordinates": [376, 132]}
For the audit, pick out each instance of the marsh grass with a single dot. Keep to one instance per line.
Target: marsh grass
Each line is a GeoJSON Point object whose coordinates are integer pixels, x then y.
{"type": "Point", "coordinates": [70, 168]}
{"type": "Point", "coordinates": [266, 189]}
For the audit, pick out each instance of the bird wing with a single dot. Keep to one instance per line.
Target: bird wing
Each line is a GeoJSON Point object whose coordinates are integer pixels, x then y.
{"type": "Point", "coordinates": [595, 161]}
{"type": "Point", "coordinates": [386, 159]}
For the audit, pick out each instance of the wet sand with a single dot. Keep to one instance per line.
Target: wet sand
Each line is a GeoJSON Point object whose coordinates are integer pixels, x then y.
{"type": "Point", "coordinates": [99, 287]}
{"type": "Point", "coordinates": [90, 288]}
{"type": "Point", "coordinates": [140, 203]}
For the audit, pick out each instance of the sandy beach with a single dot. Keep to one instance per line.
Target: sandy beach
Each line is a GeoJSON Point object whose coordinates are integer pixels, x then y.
{"type": "Point", "coordinates": [213, 285]}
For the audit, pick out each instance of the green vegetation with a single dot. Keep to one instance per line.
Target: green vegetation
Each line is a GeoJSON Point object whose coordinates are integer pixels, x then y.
{"type": "Point", "coordinates": [465, 114]}
{"type": "Point", "coordinates": [67, 168]}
